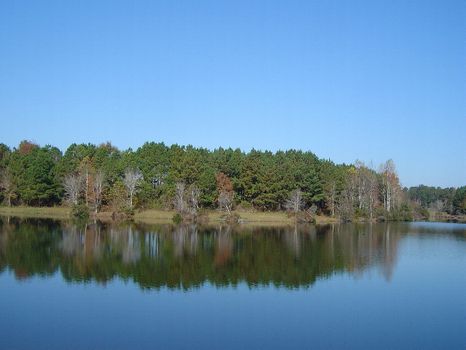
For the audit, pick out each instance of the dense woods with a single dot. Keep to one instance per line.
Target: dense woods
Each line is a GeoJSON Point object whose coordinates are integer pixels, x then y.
{"type": "Point", "coordinates": [189, 179]}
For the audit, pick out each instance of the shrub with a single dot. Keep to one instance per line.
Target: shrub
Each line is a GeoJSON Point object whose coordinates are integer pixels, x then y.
{"type": "Point", "coordinates": [80, 212]}
{"type": "Point", "coordinates": [244, 205]}
{"type": "Point", "coordinates": [177, 218]}
{"type": "Point", "coordinates": [403, 213]}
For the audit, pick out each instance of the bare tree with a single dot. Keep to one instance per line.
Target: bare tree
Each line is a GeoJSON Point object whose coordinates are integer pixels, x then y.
{"type": "Point", "coordinates": [193, 199]}
{"type": "Point", "coordinates": [373, 193]}
{"type": "Point", "coordinates": [180, 201]}
{"type": "Point", "coordinates": [85, 169]}
{"type": "Point", "coordinates": [366, 187]}
{"type": "Point", "coordinates": [361, 182]}
{"type": "Point", "coordinates": [345, 206]}
{"type": "Point", "coordinates": [186, 200]}
{"type": "Point", "coordinates": [131, 180]}
{"type": "Point", "coordinates": [98, 186]}
{"type": "Point", "coordinates": [73, 185]}
{"type": "Point", "coordinates": [438, 205]}
{"type": "Point", "coordinates": [295, 202]}
{"type": "Point", "coordinates": [361, 192]}
{"type": "Point", "coordinates": [225, 201]}
{"type": "Point", "coordinates": [391, 190]}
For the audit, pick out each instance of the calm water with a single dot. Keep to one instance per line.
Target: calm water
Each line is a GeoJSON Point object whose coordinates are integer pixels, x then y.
{"type": "Point", "coordinates": [378, 286]}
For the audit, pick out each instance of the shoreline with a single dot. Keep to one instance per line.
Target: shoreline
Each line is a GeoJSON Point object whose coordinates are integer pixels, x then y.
{"type": "Point", "coordinates": [158, 216]}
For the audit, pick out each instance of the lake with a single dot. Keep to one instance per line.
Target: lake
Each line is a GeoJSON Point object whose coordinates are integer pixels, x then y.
{"type": "Point", "coordinates": [96, 286]}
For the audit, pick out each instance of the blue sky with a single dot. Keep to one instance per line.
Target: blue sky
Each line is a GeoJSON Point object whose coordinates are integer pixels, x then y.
{"type": "Point", "coordinates": [348, 80]}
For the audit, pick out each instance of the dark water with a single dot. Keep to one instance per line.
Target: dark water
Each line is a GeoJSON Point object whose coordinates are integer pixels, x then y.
{"type": "Point", "coordinates": [391, 286]}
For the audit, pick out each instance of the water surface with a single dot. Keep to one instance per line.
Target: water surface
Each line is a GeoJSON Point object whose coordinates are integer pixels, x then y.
{"type": "Point", "coordinates": [146, 287]}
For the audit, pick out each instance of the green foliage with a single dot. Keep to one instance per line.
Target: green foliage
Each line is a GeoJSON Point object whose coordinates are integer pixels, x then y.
{"type": "Point", "coordinates": [118, 197]}
{"type": "Point", "coordinates": [427, 196]}
{"type": "Point", "coordinates": [261, 180]}
{"type": "Point", "coordinates": [4, 154]}
{"type": "Point", "coordinates": [34, 175]}
{"type": "Point", "coordinates": [80, 212]}
{"type": "Point", "coordinates": [128, 212]}
{"type": "Point", "coordinates": [459, 200]}
{"type": "Point", "coordinates": [402, 213]}
{"type": "Point", "coordinates": [177, 218]}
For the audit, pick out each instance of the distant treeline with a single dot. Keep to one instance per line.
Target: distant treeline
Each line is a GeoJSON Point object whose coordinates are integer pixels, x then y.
{"type": "Point", "coordinates": [449, 200]}
{"type": "Point", "coordinates": [188, 178]}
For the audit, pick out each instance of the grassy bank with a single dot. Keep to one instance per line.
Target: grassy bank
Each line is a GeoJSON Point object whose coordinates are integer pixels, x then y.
{"type": "Point", "coordinates": [444, 217]}
{"type": "Point", "coordinates": [160, 216]}
{"type": "Point", "coordinates": [58, 213]}
{"type": "Point", "coordinates": [216, 216]}
{"type": "Point", "coordinates": [246, 217]}
{"type": "Point", "coordinates": [154, 216]}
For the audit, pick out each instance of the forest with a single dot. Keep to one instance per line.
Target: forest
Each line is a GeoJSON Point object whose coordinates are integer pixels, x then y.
{"type": "Point", "coordinates": [97, 178]}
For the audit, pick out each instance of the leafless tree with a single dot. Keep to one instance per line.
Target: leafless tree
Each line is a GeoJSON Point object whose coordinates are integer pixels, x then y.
{"type": "Point", "coordinates": [98, 186]}
{"type": "Point", "coordinates": [131, 180]}
{"type": "Point", "coordinates": [366, 187]}
{"type": "Point", "coordinates": [295, 202]}
{"type": "Point", "coordinates": [361, 184]}
{"type": "Point", "coordinates": [73, 185]}
{"type": "Point", "coordinates": [225, 201]}
{"type": "Point", "coordinates": [180, 201]}
{"type": "Point", "coordinates": [193, 196]}
{"type": "Point", "coordinates": [85, 169]}
{"type": "Point", "coordinates": [438, 205]}
{"type": "Point", "coordinates": [345, 205]}
{"type": "Point", "coordinates": [373, 193]}
{"type": "Point", "coordinates": [186, 200]}
{"type": "Point", "coordinates": [391, 190]}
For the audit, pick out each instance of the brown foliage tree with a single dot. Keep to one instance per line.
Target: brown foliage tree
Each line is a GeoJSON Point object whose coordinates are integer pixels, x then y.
{"type": "Point", "coordinates": [26, 147]}
{"type": "Point", "coordinates": [225, 192]}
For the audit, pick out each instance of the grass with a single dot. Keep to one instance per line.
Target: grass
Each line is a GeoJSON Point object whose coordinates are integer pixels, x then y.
{"type": "Point", "coordinates": [37, 212]}
{"type": "Point", "coordinates": [160, 216]}
{"type": "Point", "coordinates": [154, 216]}
{"type": "Point", "coordinates": [214, 216]}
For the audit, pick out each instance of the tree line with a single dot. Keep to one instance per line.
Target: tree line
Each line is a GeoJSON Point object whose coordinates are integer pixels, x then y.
{"type": "Point", "coordinates": [189, 179]}
{"type": "Point", "coordinates": [449, 200]}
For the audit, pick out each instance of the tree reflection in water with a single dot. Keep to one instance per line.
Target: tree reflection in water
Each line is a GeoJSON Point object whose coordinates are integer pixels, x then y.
{"type": "Point", "coordinates": [187, 256]}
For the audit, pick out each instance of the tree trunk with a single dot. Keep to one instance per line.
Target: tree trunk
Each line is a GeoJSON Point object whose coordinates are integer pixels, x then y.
{"type": "Point", "coordinates": [87, 187]}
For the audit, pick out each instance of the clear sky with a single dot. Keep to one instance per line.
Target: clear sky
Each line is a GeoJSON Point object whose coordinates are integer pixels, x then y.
{"type": "Point", "coordinates": [348, 80]}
